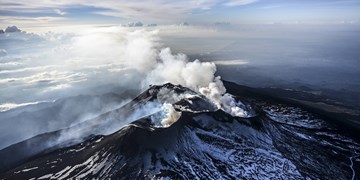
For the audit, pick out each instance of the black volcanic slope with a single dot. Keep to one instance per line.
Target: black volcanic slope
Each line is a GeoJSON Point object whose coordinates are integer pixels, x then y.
{"type": "Point", "coordinates": [282, 141]}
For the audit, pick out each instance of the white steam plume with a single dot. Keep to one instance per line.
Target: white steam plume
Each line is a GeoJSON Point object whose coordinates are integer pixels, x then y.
{"type": "Point", "coordinates": [163, 66]}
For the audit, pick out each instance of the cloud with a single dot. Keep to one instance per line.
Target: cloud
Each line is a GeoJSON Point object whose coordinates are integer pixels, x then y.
{"type": "Point", "coordinates": [48, 77]}
{"type": "Point", "coordinates": [24, 20]}
{"type": "Point", "coordinates": [3, 52]}
{"type": "Point", "coordinates": [58, 87]}
{"type": "Point", "coordinates": [135, 10]}
{"type": "Point", "coordinates": [239, 2]}
{"type": "Point", "coordinates": [58, 11]}
{"type": "Point", "coordinates": [135, 24]}
{"type": "Point", "coordinates": [7, 106]}
{"type": "Point", "coordinates": [129, 9]}
{"type": "Point", "coordinates": [26, 69]}
{"type": "Point", "coordinates": [11, 29]}
{"type": "Point", "coordinates": [230, 62]}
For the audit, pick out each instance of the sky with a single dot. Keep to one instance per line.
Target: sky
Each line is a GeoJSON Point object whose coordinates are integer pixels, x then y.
{"type": "Point", "coordinates": [29, 13]}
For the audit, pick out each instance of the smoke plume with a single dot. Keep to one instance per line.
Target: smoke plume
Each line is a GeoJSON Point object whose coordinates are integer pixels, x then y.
{"type": "Point", "coordinates": [162, 66]}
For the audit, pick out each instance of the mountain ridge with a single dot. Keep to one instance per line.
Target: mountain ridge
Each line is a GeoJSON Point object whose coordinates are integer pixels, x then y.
{"type": "Point", "coordinates": [200, 144]}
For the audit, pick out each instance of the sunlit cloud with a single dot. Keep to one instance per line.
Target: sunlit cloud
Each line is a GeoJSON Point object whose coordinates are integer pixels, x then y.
{"type": "Point", "coordinates": [48, 77]}
{"type": "Point", "coordinates": [230, 62]}
{"type": "Point", "coordinates": [8, 106]}
{"type": "Point", "coordinates": [158, 9]}
{"type": "Point", "coordinates": [129, 9]}
{"type": "Point", "coordinates": [57, 87]}
{"type": "Point", "coordinates": [239, 2]}
{"type": "Point", "coordinates": [28, 20]}
{"type": "Point", "coordinates": [58, 11]}
{"type": "Point", "coordinates": [26, 69]}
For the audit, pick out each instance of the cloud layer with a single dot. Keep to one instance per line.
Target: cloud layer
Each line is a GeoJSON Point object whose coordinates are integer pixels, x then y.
{"type": "Point", "coordinates": [138, 9]}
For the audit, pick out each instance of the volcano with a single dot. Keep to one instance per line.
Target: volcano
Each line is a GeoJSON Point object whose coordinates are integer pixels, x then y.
{"type": "Point", "coordinates": [285, 136]}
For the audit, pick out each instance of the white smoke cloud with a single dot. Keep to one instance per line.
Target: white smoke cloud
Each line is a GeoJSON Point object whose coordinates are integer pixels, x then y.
{"type": "Point", "coordinates": [140, 50]}
{"type": "Point", "coordinates": [170, 116]}
{"type": "Point", "coordinates": [217, 93]}
{"type": "Point", "coordinates": [177, 69]}
{"type": "Point", "coordinates": [163, 66]}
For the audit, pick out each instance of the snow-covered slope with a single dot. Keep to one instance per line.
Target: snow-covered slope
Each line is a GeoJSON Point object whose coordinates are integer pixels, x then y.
{"type": "Point", "coordinates": [280, 142]}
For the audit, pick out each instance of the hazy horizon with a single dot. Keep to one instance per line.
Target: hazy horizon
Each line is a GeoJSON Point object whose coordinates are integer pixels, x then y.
{"type": "Point", "coordinates": [286, 56]}
{"type": "Point", "coordinates": [81, 12]}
